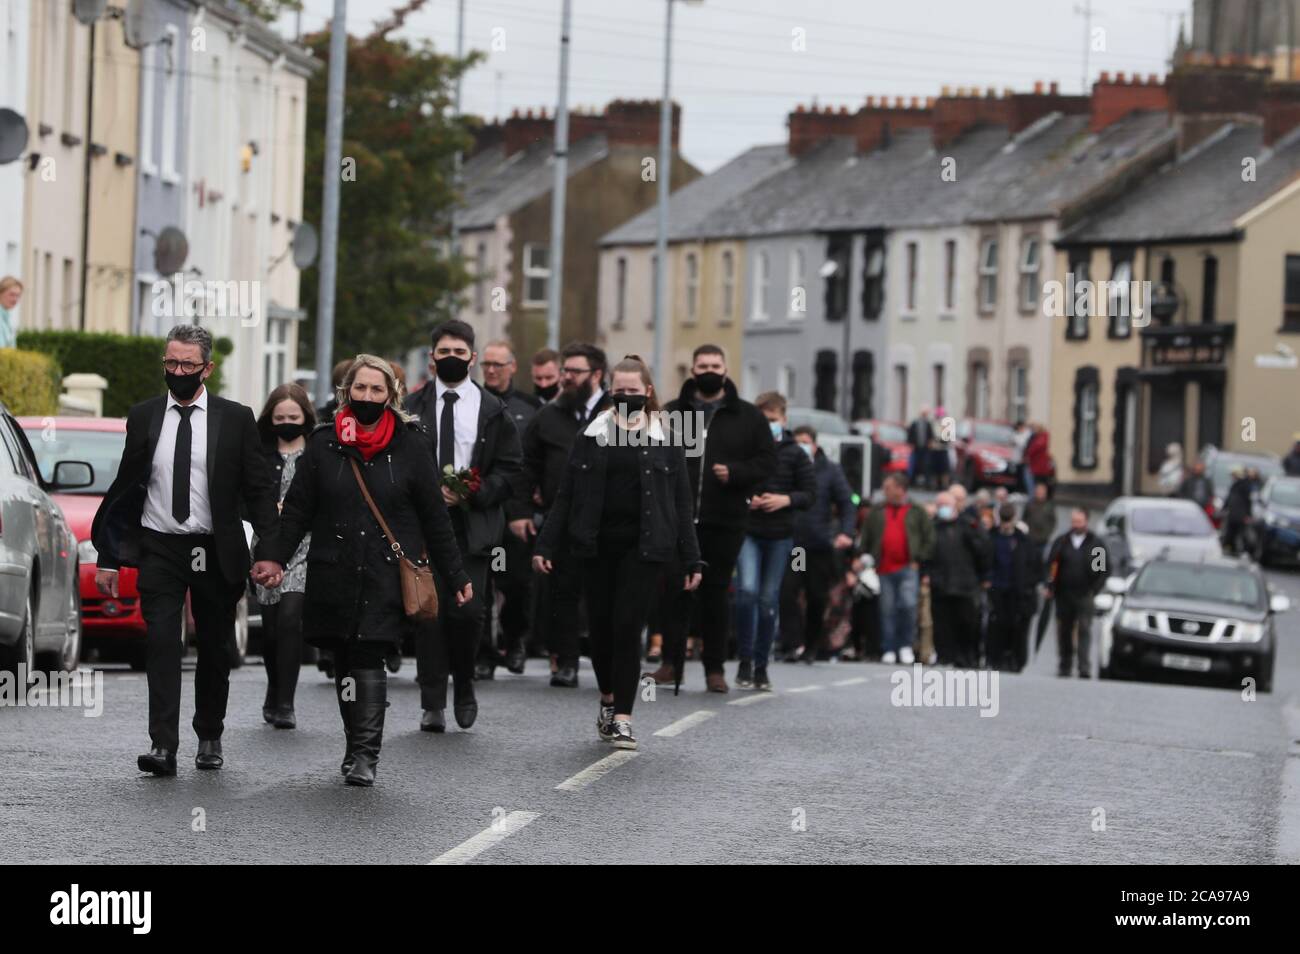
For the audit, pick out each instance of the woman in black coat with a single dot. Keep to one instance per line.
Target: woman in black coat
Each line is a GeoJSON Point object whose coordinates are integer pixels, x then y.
{"type": "Point", "coordinates": [624, 509]}
{"type": "Point", "coordinates": [354, 590]}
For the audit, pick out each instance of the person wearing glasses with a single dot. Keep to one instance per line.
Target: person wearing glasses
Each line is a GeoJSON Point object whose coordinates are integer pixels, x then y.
{"type": "Point", "coordinates": [468, 427]}
{"type": "Point", "coordinates": [191, 467]}
{"type": "Point", "coordinates": [547, 443]}
{"type": "Point", "coordinates": [624, 512]}
{"type": "Point", "coordinates": [514, 580]}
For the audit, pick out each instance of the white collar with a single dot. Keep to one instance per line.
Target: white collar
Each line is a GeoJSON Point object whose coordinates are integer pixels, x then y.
{"type": "Point", "coordinates": [592, 401]}
{"type": "Point", "coordinates": [201, 401]}
{"type": "Point", "coordinates": [441, 387]}
{"type": "Point", "coordinates": [605, 419]}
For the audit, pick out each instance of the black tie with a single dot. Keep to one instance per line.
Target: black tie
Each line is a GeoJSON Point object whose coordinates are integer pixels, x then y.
{"type": "Point", "coordinates": [181, 465]}
{"type": "Point", "coordinates": [447, 430]}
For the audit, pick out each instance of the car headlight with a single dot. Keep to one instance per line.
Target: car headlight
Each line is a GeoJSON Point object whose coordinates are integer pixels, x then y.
{"type": "Point", "coordinates": [1248, 632]}
{"type": "Point", "coordinates": [1133, 619]}
{"type": "Point", "coordinates": [994, 462]}
{"type": "Point", "coordinates": [86, 552]}
{"type": "Point", "coordinates": [1272, 520]}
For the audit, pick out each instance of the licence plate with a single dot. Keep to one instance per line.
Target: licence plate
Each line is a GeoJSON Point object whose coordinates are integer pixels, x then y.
{"type": "Point", "coordinates": [1186, 663]}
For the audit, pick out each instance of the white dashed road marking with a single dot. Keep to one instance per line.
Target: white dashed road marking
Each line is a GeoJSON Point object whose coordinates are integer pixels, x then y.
{"type": "Point", "coordinates": [682, 724]}
{"type": "Point", "coordinates": [473, 847]}
{"type": "Point", "coordinates": [592, 772]}
{"type": "Point", "coordinates": [750, 700]}
{"type": "Point", "coordinates": [859, 680]}
{"type": "Point", "coordinates": [805, 688]}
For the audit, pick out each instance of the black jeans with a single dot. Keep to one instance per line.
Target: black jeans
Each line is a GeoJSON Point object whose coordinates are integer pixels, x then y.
{"type": "Point", "coordinates": [170, 566]}
{"type": "Point", "coordinates": [619, 587]}
{"type": "Point", "coordinates": [556, 598]}
{"type": "Point", "coordinates": [1008, 642]}
{"type": "Point", "coordinates": [448, 645]}
{"type": "Point", "coordinates": [707, 611]}
{"type": "Point", "coordinates": [282, 648]}
{"type": "Point", "coordinates": [804, 625]}
{"type": "Point", "coordinates": [956, 628]}
{"type": "Point", "coordinates": [1073, 633]}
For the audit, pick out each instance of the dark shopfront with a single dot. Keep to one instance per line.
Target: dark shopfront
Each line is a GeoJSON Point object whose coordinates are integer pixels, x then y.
{"type": "Point", "coordinates": [1185, 373]}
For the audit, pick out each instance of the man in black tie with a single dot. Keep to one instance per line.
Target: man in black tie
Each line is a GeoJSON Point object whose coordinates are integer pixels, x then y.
{"type": "Point", "coordinates": [192, 463]}
{"type": "Point", "coordinates": [470, 427]}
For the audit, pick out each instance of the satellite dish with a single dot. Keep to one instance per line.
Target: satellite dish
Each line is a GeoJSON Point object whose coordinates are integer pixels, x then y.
{"type": "Point", "coordinates": [13, 135]}
{"type": "Point", "coordinates": [88, 11]}
{"type": "Point", "coordinates": [170, 251]}
{"type": "Point", "coordinates": [143, 24]}
{"type": "Point", "coordinates": [306, 245]}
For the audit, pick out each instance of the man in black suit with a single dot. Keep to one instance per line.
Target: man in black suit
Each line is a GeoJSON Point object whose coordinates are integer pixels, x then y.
{"type": "Point", "coordinates": [468, 427]}
{"type": "Point", "coordinates": [191, 465]}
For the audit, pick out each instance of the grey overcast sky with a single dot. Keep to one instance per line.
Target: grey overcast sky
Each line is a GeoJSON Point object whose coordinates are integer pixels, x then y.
{"type": "Point", "coordinates": [736, 72]}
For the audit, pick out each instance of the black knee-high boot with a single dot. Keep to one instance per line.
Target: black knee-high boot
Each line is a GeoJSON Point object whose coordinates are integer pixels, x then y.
{"type": "Point", "coordinates": [345, 710]}
{"type": "Point", "coordinates": [367, 724]}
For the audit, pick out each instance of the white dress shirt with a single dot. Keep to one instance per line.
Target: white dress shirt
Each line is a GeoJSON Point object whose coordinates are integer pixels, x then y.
{"type": "Point", "coordinates": [464, 413]}
{"type": "Point", "coordinates": [585, 414]}
{"type": "Point", "coordinates": [158, 503]}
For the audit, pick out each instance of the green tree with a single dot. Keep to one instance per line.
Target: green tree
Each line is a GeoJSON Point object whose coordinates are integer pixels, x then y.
{"type": "Point", "coordinates": [395, 280]}
{"type": "Point", "coordinates": [271, 10]}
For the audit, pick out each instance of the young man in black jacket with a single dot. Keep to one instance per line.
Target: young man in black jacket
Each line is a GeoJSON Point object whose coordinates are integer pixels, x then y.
{"type": "Point", "coordinates": [735, 452]}
{"type": "Point", "coordinates": [1076, 571]}
{"type": "Point", "coordinates": [822, 533]}
{"type": "Point", "coordinates": [514, 579]}
{"type": "Point", "coordinates": [1016, 567]}
{"type": "Point", "coordinates": [547, 442]}
{"type": "Point", "coordinates": [958, 569]}
{"type": "Point", "coordinates": [468, 428]}
{"type": "Point", "coordinates": [766, 553]}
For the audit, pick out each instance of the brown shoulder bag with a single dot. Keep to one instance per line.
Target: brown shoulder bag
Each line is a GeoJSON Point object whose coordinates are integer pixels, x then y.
{"type": "Point", "coordinates": [419, 593]}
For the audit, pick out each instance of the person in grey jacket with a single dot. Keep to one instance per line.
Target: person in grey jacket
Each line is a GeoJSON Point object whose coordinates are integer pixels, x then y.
{"type": "Point", "coordinates": [822, 535]}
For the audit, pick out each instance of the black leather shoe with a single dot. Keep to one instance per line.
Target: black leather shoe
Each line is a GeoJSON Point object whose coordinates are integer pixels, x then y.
{"type": "Point", "coordinates": [566, 677]}
{"type": "Point", "coordinates": [209, 755]}
{"type": "Point", "coordinates": [284, 718]}
{"type": "Point", "coordinates": [157, 761]}
{"type": "Point", "coordinates": [393, 661]}
{"type": "Point", "coordinates": [433, 720]}
{"type": "Point", "coordinates": [466, 706]}
{"type": "Point", "coordinates": [484, 671]}
{"type": "Point", "coordinates": [268, 715]}
{"type": "Point", "coordinates": [515, 661]}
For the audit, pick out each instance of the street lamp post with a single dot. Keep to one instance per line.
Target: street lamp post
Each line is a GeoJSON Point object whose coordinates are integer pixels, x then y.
{"type": "Point", "coordinates": [329, 245]}
{"type": "Point", "coordinates": [559, 192]}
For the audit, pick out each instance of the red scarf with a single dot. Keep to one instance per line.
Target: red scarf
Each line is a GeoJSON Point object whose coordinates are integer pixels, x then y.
{"type": "Point", "coordinates": [370, 442]}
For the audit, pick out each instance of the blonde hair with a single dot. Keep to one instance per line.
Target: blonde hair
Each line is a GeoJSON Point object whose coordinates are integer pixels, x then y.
{"type": "Point", "coordinates": [9, 282]}
{"type": "Point", "coordinates": [395, 390]}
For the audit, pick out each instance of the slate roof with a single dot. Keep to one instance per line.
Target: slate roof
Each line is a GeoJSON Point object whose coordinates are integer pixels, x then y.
{"type": "Point", "coordinates": [497, 185]}
{"type": "Point", "coordinates": [691, 204]}
{"type": "Point", "coordinates": [1199, 196]}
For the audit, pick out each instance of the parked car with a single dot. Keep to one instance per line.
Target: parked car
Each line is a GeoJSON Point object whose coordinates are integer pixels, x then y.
{"type": "Point", "coordinates": [1277, 520]}
{"type": "Point", "coordinates": [986, 454]}
{"type": "Point", "coordinates": [40, 606]}
{"type": "Point", "coordinates": [1138, 529]}
{"type": "Point", "coordinates": [840, 444]}
{"type": "Point", "coordinates": [113, 627]}
{"type": "Point", "coordinates": [1219, 465]}
{"type": "Point", "coordinates": [824, 422]}
{"type": "Point", "coordinates": [891, 436]}
{"type": "Point", "coordinates": [1210, 618]}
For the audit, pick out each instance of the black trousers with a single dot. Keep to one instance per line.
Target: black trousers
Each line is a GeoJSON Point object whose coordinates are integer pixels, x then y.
{"type": "Point", "coordinates": [1073, 634]}
{"type": "Point", "coordinates": [282, 648]}
{"type": "Point", "coordinates": [448, 645]}
{"type": "Point", "coordinates": [956, 628]}
{"type": "Point", "coordinates": [1008, 638]}
{"type": "Point", "coordinates": [556, 596]}
{"type": "Point", "coordinates": [619, 587]}
{"type": "Point", "coordinates": [514, 583]}
{"type": "Point", "coordinates": [803, 624]}
{"type": "Point", "coordinates": [172, 565]}
{"type": "Point", "coordinates": [707, 612]}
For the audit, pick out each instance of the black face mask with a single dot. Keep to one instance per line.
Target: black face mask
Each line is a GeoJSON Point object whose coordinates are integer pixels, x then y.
{"type": "Point", "coordinates": [629, 404]}
{"type": "Point", "coordinates": [288, 431]}
{"type": "Point", "coordinates": [710, 382]}
{"type": "Point", "coordinates": [451, 369]}
{"type": "Point", "coordinates": [183, 386]}
{"type": "Point", "coordinates": [546, 392]}
{"type": "Point", "coordinates": [367, 412]}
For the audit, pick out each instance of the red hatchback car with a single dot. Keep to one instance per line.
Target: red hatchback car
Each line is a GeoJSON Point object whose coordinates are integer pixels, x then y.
{"type": "Point", "coordinates": [115, 627]}
{"type": "Point", "coordinates": [986, 454]}
{"type": "Point", "coordinates": [891, 436]}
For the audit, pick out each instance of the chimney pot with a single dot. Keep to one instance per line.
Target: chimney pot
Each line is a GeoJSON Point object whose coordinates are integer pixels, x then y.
{"type": "Point", "coordinates": [1054, 87]}
{"type": "Point", "coordinates": [916, 102]}
{"type": "Point", "coordinates": [1153, 79]}
{"type": "Point", "coordinates": [844, 110]}
{"type": "Point", "coordinates": [1119, 77]}
{"type": "Point", "coordinates": [929, 102]}
{"type": "Point", "coordinates": [1038, 87]}
{"type": "Point", "coordinates": [945, 91]}
{"type": "Point", "coordinates": [991, 93]}
{"type": "Point", "coordinates": [1105, 76]}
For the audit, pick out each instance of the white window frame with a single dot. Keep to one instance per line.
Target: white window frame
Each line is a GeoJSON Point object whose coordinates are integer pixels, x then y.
{"type": "Point", "coordinates": [1077, 323]}
{"type": "Point", "coordinates": [728, 285]}
{"type": "Point", "coordinates": [692, 288]}
{"type": "Point", "coordinates": [1031, 262]}
{"type": "Point", "coordinates": [798, 276]}
{"type": "Point", "coordinates": [980, 389]}
{"type": "Point", "coordinates": [1089, 398]}
{"type": "Point", "coordinates": [532, 272]}
{"type": "Point", "coordinates": [148, 84]}
{"type": "Point", "coordinates": [275, 353]}
{"type": "Point", "coordinates": [1122, 273]}
{"type": "Point", "coordinates": [752, 382]}
{"type": "Point", "coordinates": [762, 286]}
{"type": "Point", "coordinates": [1018, 389]}
{"type": "Point", "coordinates": [785, 381]}
{"type": "Point", "coordinates": [988, 290]}
{"type": "Point", "coordinates": [170, 105]}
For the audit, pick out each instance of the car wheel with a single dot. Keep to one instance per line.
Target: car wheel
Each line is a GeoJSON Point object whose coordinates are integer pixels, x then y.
{"type": "Point", "coordinates": [23, 652]}
{"type": "Point", "coordinates": [68, 657]}
{"type": "Point", "coordinates": [239, 638]}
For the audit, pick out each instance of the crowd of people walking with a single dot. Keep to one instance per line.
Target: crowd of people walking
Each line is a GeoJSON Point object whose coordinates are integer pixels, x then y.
{"type": "Point", "coordinates": [482, 524]}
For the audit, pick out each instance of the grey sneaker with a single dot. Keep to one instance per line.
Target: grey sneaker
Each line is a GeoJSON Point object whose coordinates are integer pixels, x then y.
{"type": "Point", "coordinates": [623, 738]}
{"type": "Point", "coordinates": [605, 723]}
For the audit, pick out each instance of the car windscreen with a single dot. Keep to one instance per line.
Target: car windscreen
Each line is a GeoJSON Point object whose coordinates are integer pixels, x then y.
{"type": "Point", "coordinates": [101, 449]}
{"type": "Point", "coordinates": [890, 433]}
{"type": "Point", "coordinates": [994, 434]}
{"type": "Point", "coordinates": [1171, 521]}
{"type": "Point", "coordinates": [1285, 493]}
{"type": "Point", "coordinates": [1195, 582]}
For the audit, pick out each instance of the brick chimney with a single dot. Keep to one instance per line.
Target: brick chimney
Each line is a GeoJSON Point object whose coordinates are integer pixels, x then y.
{"type": "Point", "coordinates": [955, 113]}
{"type": "Point", "coordinates": [486, 135]}
{"type": "Point", "coordinates": [1113, 99]}
{"type": "Point", "coordinates": [877, 117]}
{"type": "Point", "coordinates": [1025, 109]}
{"type": "Point", "coordinates": [635, 122]}
{"type": "Point", "coordinates": [1205, 93]}
{"type": "Point", "coordinates": [524, 129]}
{"type": "Point", "coordinates": [810, 127]}
{"type": "Point", "coordinates": [1281, 110]}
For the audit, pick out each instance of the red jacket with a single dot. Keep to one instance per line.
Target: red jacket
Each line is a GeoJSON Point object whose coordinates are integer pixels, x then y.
{"type": "Point", "coordinates": [1037, 457]}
